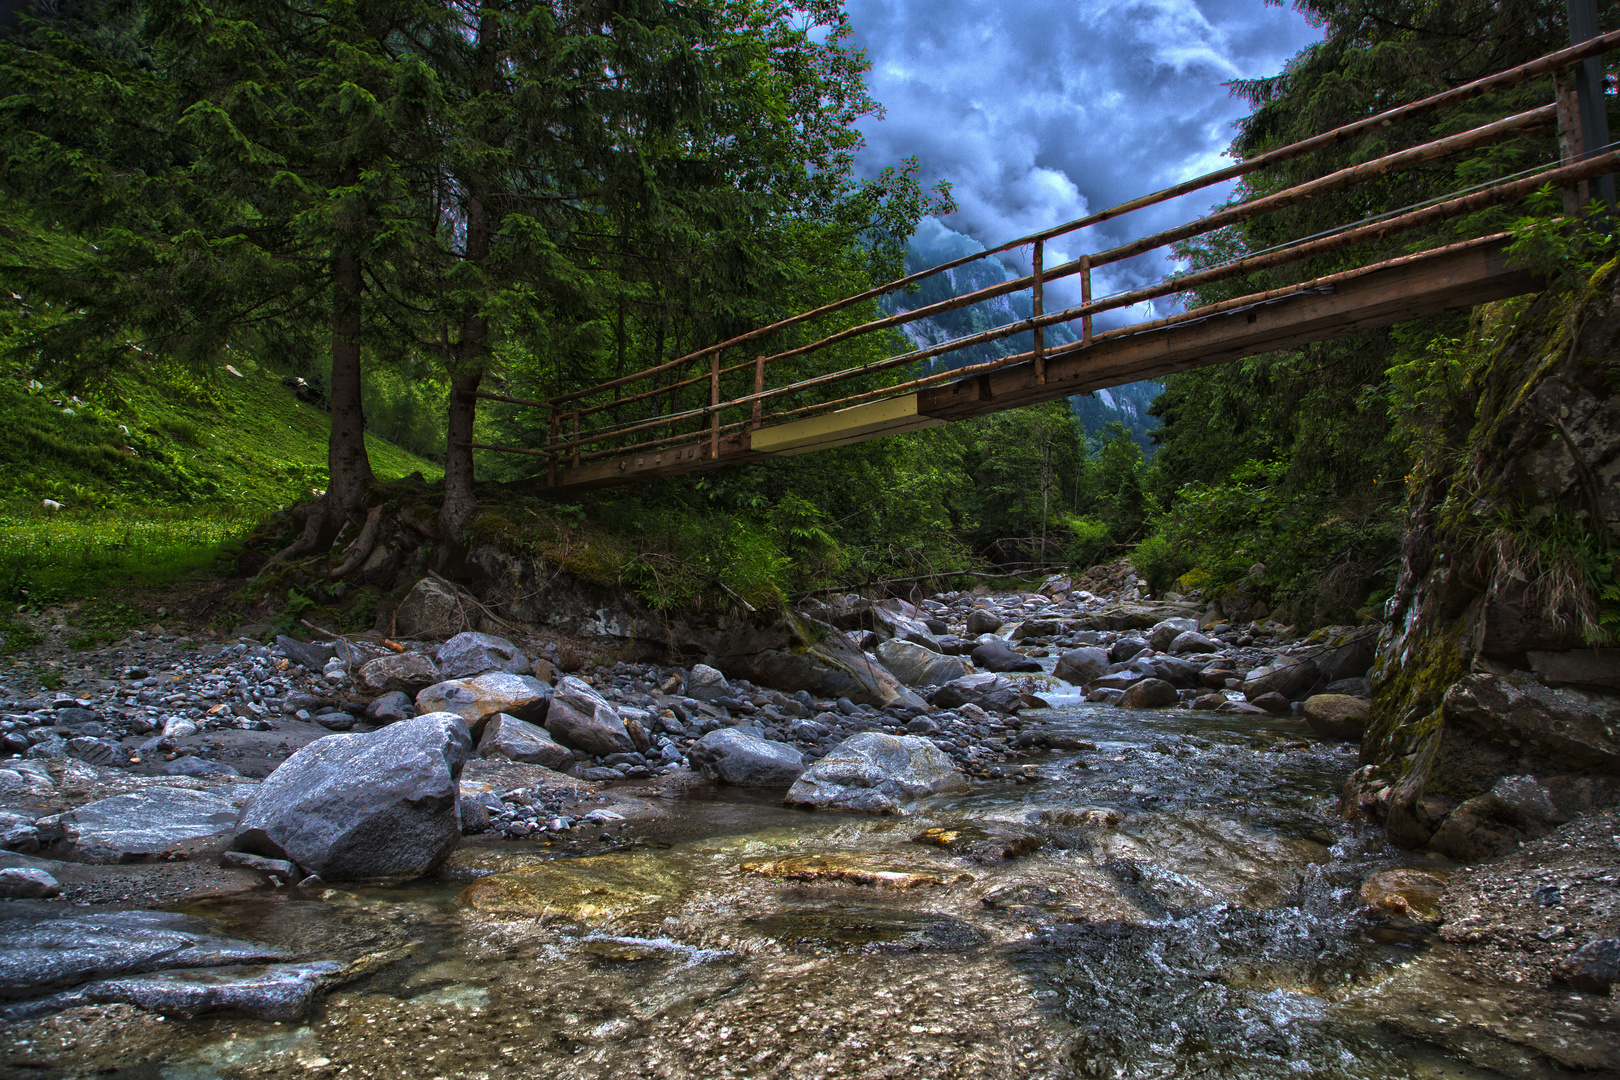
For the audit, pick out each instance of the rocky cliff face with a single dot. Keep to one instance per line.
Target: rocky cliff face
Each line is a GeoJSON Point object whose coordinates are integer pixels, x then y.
{"type": "Point", "coordinates": [1496, 701]}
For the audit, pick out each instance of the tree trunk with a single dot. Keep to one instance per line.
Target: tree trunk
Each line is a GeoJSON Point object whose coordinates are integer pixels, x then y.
{"type": "Point", "coordinates": [466, 373]}
{"type": "Point", "coordinates": [348, 466]}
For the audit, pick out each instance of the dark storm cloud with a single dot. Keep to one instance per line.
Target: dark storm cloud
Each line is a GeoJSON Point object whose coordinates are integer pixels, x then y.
{"type": "Point", "coordinates": [1041, 111]}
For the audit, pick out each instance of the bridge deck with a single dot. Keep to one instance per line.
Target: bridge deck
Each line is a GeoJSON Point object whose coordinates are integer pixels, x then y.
{"type": "Point", "coordinates": [1424, 284]}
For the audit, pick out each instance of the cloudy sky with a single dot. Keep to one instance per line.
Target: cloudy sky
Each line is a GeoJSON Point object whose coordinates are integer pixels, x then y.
{"type": "Point", "coordinates": [1040, 111]}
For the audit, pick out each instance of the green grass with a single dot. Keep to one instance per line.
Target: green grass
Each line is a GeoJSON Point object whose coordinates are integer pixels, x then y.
{"type": "Point", "coordinates": [155, 473]}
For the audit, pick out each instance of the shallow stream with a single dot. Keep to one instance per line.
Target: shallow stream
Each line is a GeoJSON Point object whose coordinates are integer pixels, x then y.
{"type": "Point", "coordinates": [1192, 910]}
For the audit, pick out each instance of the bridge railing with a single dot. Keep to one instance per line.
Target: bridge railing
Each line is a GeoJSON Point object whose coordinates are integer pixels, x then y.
{"type": "Point", "coordinates": [594, 423]}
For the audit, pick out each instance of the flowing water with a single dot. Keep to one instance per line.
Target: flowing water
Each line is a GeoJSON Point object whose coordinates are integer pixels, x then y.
{"type": "Point", "coordinates": [1191, 910]}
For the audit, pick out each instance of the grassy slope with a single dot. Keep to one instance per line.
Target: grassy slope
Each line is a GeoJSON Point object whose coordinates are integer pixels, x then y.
{"type": "Point", "coordinates": [210, 460]}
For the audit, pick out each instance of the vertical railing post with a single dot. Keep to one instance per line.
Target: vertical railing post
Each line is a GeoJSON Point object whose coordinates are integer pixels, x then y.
{"type": "Point", "coordinates": [551, 444]}
{"type": "Point", "coordinates": [1085, 298]}
{"type": "Point", "coordinates": [1038, 309]}
{"type": "Point", "coordinates": [759, 388]}
{"type": "Point", "coordinates": [1583, 26]}
{"type": "Point", "coordinates": [576, 438]}
{"type": "Point", "coordinates": [1569, 138]}
{"type": "Point", "coordinates": [714, 405]}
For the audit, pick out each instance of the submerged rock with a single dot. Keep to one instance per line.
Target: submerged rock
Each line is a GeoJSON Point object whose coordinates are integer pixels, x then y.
{"type": "Point", "coordinates": [370, 806]}
{"type": "Point", "coordinates": [1412, 894]}
{"type": "Point", "coordinates": [858, 868]}
{"type": "Point", "coordinates": [588, 890]}
{"type": "Point", "coordinates": [877, 774]}
{"type": "Point", "coordinates": [277, 992]}
{"type": "Point", "coordinates": [744, 757]}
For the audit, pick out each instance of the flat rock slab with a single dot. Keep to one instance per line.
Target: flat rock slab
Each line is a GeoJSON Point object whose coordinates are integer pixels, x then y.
{"type": "Point", "coordinates": [142, 824]}
{"type": "Point", "coordinates": [49, 954]}
{"type": "Point", "coordinates": [881, 869]}
{"type": "Point", "coordinates": [877, 774]}
{"type": "Point", "coordinates": [275, 992]}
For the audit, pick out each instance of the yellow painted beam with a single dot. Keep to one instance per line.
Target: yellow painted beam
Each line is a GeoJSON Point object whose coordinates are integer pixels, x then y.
{"type": "Point", "coordinates": [890, 416]}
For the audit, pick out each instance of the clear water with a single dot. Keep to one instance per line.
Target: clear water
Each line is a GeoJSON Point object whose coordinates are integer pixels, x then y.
{"type": "Point", "coordinates": [1212, 931]}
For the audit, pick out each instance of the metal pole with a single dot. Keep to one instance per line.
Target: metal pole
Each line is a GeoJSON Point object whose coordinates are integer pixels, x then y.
{"type": "Point", "coordinates": [1583, 26]}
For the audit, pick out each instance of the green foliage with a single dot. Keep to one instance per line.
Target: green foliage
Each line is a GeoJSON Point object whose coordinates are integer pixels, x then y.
{"type": "Point", "coordinates": [1563, 249]}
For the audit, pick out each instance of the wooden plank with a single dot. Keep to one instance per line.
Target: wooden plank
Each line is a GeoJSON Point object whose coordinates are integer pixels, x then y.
{"type": "Point", "coordinates": [890, 416]}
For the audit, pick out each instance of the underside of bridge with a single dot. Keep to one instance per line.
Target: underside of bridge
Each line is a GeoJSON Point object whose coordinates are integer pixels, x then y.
{"type": "Point", "coordinates": [1419, 285]}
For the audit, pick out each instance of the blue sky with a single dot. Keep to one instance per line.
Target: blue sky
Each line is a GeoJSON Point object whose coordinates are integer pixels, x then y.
{"type": "Point", "coordinates": [1041, 111]}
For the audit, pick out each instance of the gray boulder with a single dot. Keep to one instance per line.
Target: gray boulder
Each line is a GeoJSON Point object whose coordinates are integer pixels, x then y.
{"type": "Point", "coordinates": [1149, 694]}
{"type": "Point", "coordinates": [997, 656]}
{"type": "Point", "coordinates": [1165, 632]}
{"type": "Point", "coordinates": [1571, 726]}
{"type": "Point", "coordinates": [984, 689]}
{"type": "Point", "coordinates": [1194, 642]}
{"type": "Point", "coordinates": [877, 774]}
{"type": "Point", "coordinates": [915, 665]}
{"type": "Point", "coordinates": [1126, 649]}
{"type": "Point", "coordinates": [508, 737]}
{"type": "Point", "coordinates": [310, 655]}
{"type": "Point", "coordinates": [477, 699]}
{"type": "Point", "coordinates": [981, 621]}
{"type": "Point", "coordinates": [433, 609]}
{"type": "Point", "coordinates": [1291, 676]}
{"type": "Point", "coordinates": [743, 756]}
{"type": "Point", "coordinates": [1080, 666]}
{"type": "Point", "coordinates": [380, 805]}
{"type": "Point", "coordinates": [141, 824]}
{"type": "Point", "coordinates": [27, 883]}
{"type": "Point", "coordinates": [706, 683]}
{"type": "Point", "coordinates": [191, 765]}
{"type": "Point", "coordinates": [581, 718]}
{"type": "Point", "coordinates": [391, 708]}
{"type": "Point", "coordinates": [472, 653]}
{"type": "Point", "coordinates": [277, 992]}
{"type": "Point", "coordinates": [409, 673]}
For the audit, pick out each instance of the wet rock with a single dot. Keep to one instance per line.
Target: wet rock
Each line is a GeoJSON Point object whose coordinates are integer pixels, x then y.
{"type": "Point", "coordinates": [744, 757]}
{"type": "Point", "coordinates": [370, 806]}
{"type": "Point", "coordinates": [915, 665]}
{"type": "Point", "coordinates": [1149, 694]}
{"type": "Point", "coordinates": [1161, 636]}
{"type": "Point", "coordinates": [408, 673]}
{"type": "Point", "coordinates": [1272, 702]}
{"type": "Point", "coordinates": [1081, 666]}
{"type": "Point", "coordinates": [879, 774]}
{"type": "Point", "coordinates": [508, 737]}
{"type": "Point", "coordinates": [433, 609]}
{"type": "Point", "coordinates": [980, 845]}
{"type": "Point", "coordinates": [472, 653]}
{"type": "Point", "coordinates": [587, 890]}
{"type": "Point", "coordinates": [26, 883]}
{"type": "Point", "coordinates": [1243, 707]}
{"type": "Point", "coordinates": [581, 718]}
{"type": "Point", "coordinates": [981, 621]}
{"type": "Point", "coordinates": [829, 669]}
{"type": "Point", "coordinates": [146, 823]}
{"type": "Point", "coordinates": [1568, 725]}
{"type": "Point", "coordinates": [1182, 674]}
{"type": "Point", "coordinates": [477, 699]}
{"type": "Point", "coordinates": [1409, 894]}
{"type": "Point", "coordinates": [1208, 702]}
{"type": "Point", "coordinates": [984, 689]}
{"type": "Point", "coordinates": [1337, 716]}
{"type": "Point", "coordinates": [1593, 968]}
{"type": "Point", "coordinates": [997, 656]}
{"type": "Point", "coordinates": [881, 869]}
{"type": "Point", "coordinates": [1126, 649]}
{"type": "Point", "coordinates": [1194, 642]}
{"type": "Point", "coordinates": [1290, 677]}
{"type": "Point", "coordinates": [704, 683]}
{"type": "Point", "coordinates": [52, 952]}
{"type": "Point", "coordinates": [277, 992]}
{"type": "Point", "coordinates": [391, 708]}
{"type": "Point", "coordinates": [1515, 809]}
{"type": "Point", "coordinates": [191, 765]}
{"type": "Point", "coordinates": [1041, 628]}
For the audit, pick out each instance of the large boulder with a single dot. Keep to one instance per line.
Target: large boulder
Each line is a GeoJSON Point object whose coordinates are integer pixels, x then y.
{"type": "Point", "coordinates": [1149, 694]}
{"type": "Point", "coordinates": [1337, 716]}
{"type": "Point", "coordinates": [476, 700]}
{"type": "Point", "coordinates": [406, 673]}
{"type": "Point", "coordinates": [374, 806]}
{"type": "Point", "coordinates": [1515, 809]}
{"type": "Point", "coordinates": [518, 740]}
{"type": "Point", "coordinates": [1572, 728]}
{"type": "Point", "coordinates": [915, 665]}
{"type": "Point", "coordinates": [986, 690]}
{"type": "Point", "coordinates": [1081, 666]}
{"type": "Point", "coordinates": [830, 669]}
{"type": "Point", "coordinates": [1164, 633]}
{"type": "Point", "coordinates": [472, 653]}
{"type": "Point", "coordinates": [433, 609]}
{"type": "Point", "coordinates": [982, 621]}
{"type": "Point", "coordinates": [1193, 642]}
{"type": "Point", "coordinates": [1291, 676]}
{"type": "Point", "coordinates": [877, 774]}
{"type": "Point", "coordinates": [998, 656]}
{"type": "Point", "coordinates": [146, 823]}
{"type": "Point", "coordinates": [581, 718]}
{"type": "Point", "coordinates": [742, 756]}
{"type": "Point", "coordinates": [705, 683]}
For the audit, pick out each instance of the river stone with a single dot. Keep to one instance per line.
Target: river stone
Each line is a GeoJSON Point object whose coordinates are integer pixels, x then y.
{"type": "Point", "coordinates": [1409, 893]}
{"type": "Point", "coordinates": [980, 621]}
{"type": "Point", "coordinates": [1164, 633]}
{"type": "Point", "coordinates": [146, 823]}
{"type": "Point", "coordinates": [1126, 649]}
{"type": "Point", "coordinates": [1271, 702]}
{"type": "Point", "coordinates": [1080, 666]}
{"type": "Point", "coordinates": [432, 609]}
{"type": "Point", "coordinates": [706, 683]}
{"type": "Point", "coordinates": [409, 673]}
{"type": "Point", "coordinates": [473, 653]}
{"type": "Point", "coordinates": [27, 883]}
{"type": "Point", "coordinates": [1179, 673]}
{"type": "Point", "coordinates": [581, 718]}
{"type": "Point", "coordinates": [1290, 676]}
{"type": "Point", "coordinates": [477, 699]}
{"type": "Point", "coordinates": [1572, 726]}
{"type": "Point", "coordinates": [1043, 628]}
{"type": "Point", "coordinates": [744, 757]}
{"type": "Point", "coordinates": [915, 665]}
{"type": "Point", "coordinates": [380, 805]}
{"type": "Point", "coordinates": [877, 774]}
{"type": "Point", "coordinates": [998, 656]}
{"type": "Point", "coordinates": [883, 869]}
{"type": "Point", "coordinates": [277, 992]}
{"type": "Point", "coordinates": [1149, 694]}
{"type": "Point", "coordinates": [311, 655]}
{"type": "Point", "coordinates": [984, 689]}
{"type": "Point", "coordinates": [1337, 716]}
{"type": "Point", "coordinates": [830, 669]}
{"type": "Point", "coordinates": [508, 737]}
{"type": "Point", "coordinates": [981, 845]}
{"type": "Point", "coordinates": [391, 708]}
{"type": "Point", "coordinates": [589, 890]}
{"type": "Point", "coordinates": [192, 765]}
{"type": "Point", "coordinates": [1194, 642]}
{"type": "Point", "coordinates": [50, 953]}
{"type": "Point", "coordinates": [1594, 967]}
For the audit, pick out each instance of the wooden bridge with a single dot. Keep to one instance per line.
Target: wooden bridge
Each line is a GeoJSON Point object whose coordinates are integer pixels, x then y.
{"type": "Point", "coordinates": [775, 404]}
